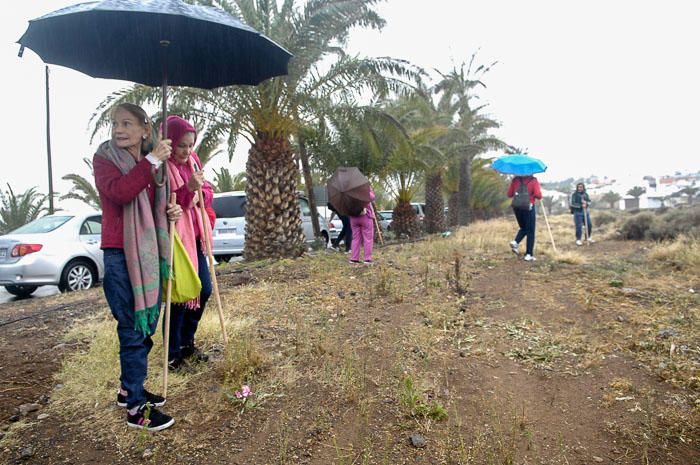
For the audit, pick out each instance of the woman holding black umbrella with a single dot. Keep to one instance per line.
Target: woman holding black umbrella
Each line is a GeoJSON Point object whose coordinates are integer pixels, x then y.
{"type": "Point", "coordinates": [135, 216]}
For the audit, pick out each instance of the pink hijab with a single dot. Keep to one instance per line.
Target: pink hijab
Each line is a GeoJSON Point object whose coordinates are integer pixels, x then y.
{"type": "Point", "coordinates": [177, 128]}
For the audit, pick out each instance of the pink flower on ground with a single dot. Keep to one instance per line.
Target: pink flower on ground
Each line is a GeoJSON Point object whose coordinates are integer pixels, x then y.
{"type": "Point", "coordinates": [246, 390]}
{"type": "Point", "coordinates": [238, 395]}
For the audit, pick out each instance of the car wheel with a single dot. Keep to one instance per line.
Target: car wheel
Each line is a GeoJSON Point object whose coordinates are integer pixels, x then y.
{"type": "Point", "coordinates": [77, 275]}
{"type": "Point", "coordinates": [326, 238]}
{"type": "Point", "coordinates": [21, 290]}
{"type": "Point", "coordinates": [223, 258]}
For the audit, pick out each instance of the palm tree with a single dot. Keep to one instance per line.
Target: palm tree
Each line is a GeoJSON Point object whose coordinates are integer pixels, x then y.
{"type": "Point", "coordinates": [270, 114]}
{"type": "Point", "coordinates": [611, 198]}
{"type": "Point", "coordinates": [83, 189]}
{"type": "Point", "coordinates": [457, 90]}
{"type": "Point", "coordinates": [416, 154]}
{"type": "Point", "coordinates": [636, 192]}
{"type": "Point", "coordinates": [488, 196]}
{"type": "Point", "coordinates": [17, 210]}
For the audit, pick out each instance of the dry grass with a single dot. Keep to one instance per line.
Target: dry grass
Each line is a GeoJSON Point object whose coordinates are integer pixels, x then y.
{"type": "Point", "coordinates": [682, 254]}
{"type": "Point", "coordinates": [313, 322]}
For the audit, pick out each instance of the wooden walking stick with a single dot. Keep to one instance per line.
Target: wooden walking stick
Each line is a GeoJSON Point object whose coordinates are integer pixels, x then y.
{"type": "Point", "coordinates": [212, 271]}
{"type": "Point", "coordinates": [551, 237]}
{"type": "Point", "coordinates": [585, 223]}
{"type": "Point", "coordinates": [376, 223]}
{"type": "Point", "coordinates": [168, 297]}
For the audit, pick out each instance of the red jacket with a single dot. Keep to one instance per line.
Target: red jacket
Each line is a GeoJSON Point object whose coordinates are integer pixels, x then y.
{"type": "Point", "coordinates": [116, 190]}
{"type": "Point", "coordinates": [533, 187]}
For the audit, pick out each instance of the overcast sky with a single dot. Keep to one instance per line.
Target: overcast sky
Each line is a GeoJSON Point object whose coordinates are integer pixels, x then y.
{"type": "Point", "coordinates": [600, 87]}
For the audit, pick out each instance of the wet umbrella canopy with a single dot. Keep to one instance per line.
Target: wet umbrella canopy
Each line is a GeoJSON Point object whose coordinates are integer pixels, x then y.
{"type": "Point", "coordinates": [348, 191]}
{"type": "Point", "coordinates": [131, 40]}
{"type": "Point", "coordinates": [519, 164]}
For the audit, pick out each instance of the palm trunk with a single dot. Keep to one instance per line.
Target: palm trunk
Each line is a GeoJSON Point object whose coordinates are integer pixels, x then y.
{"type": "Point", "coordinates": [309, 182]}
{"type": "Point", "coordinates": [453, 209]}
{"type": "Point", "coordinates": [404, 221]}
{"type": "Point", "coordinates": [465, 188]}
{"type": "Point", "coordinates": [434, 204]}
{"type": "Point", "coordinates": [273, 220]}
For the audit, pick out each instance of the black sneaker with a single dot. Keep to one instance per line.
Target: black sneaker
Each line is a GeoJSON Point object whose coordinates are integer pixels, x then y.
{"type": "Point", "coordinates": [153, 399]}
{"type": "Point", "coordinates": [193, 353]}
{"type": "Point", "coordinates": [176, 364]}
{"type": "Point", "coordinates": [149, 418]}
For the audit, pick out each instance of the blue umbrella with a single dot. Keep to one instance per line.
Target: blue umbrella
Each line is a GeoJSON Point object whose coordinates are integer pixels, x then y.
{"type": "Point", "coordinates": [518, 164]}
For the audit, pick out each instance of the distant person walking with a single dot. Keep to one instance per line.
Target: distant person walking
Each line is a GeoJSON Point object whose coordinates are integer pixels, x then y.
{"type": "Point", "coordinates": [135, 241]}
{"type": "Point", "coordinates": [525, 190]}
{"type": "Point", "coordinates": [363, 233]}
{"type": "Point", "coordinates": [579, 204]}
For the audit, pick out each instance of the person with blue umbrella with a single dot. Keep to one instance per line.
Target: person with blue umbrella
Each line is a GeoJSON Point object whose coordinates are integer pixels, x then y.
{"type": "Point", "coordinates": [525, 190]}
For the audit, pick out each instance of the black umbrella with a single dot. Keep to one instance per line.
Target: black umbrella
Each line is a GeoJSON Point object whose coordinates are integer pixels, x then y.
{"type": "Point", "coordinates": [348, 191]}
{"type": "Point", "coordinates": [156, 42]}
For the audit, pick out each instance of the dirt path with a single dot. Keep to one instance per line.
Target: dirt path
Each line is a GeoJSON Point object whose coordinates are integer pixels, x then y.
{"type": "Point", "coordinates": [523, 360]}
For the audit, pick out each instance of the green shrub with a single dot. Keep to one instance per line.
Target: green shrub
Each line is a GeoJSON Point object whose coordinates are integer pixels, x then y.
{"type": "Point", "coordinates": [603, 218]}
{"type": "Point", "coordinates": [636, 227]}
{"type": "Point", "coordinates": [674, 223]}
{"type": "Point", "coordinates": [661, 227]}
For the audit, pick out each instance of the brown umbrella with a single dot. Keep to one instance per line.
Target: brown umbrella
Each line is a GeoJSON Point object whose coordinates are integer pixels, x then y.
{"type": "Point", "coordinates": [348, 191]}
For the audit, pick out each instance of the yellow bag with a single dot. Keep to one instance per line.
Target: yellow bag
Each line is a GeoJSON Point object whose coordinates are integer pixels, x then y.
{"type": "Point", "coordinates": [186, 284]}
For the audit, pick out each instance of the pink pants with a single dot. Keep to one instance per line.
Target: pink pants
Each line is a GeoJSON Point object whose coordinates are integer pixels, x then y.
{"type": "Point", "coordinates": [362, 235]}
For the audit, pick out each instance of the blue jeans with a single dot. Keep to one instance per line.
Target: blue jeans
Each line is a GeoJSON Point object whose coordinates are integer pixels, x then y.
{"type": "Point", "coordinates": [133, 346]}
{"type": "Point", "coordinates": [184, 321]}
{"type": "Point", "coordinates": [526, 221]}
{"type": "Point", "coordinates": [578, 221]}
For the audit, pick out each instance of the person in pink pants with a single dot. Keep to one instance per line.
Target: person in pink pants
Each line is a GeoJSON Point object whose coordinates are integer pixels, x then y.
{"type": "Point", "coordinates": [363, 233]}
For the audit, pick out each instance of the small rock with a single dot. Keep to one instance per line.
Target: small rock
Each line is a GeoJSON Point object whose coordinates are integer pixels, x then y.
{"type": "Point", "coordinates": [26, 453]}
{"type": "Point", "coordinates": [14, 418]}
{"type": "Point", "coordinates": [666, 333]}
{"type": "Point", "coordinates": [462, 353]}
{"type": "Point", "coordinates": [620, 318]}
{"type": "Point", "coordinates": [691, 290]}
{"type": "Point", "coordinates": [147, 453]}
{"type": "Point", "coordinates": [597, 459]}
{"type": "Point", "coordinates": [24, 409]}
{"type": "Point", "coordinates": [377, 319]}
{"type": "Point", "coordinates": [42, 416]}
{"type": "Point", "coordinates": [417, 441]}
{"type": "Point", "coordinates": [341, 294]}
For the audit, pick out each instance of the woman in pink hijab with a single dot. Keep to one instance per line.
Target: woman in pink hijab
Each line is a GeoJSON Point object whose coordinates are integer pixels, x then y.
{"type": "Point", "coordinates": [186, 177]}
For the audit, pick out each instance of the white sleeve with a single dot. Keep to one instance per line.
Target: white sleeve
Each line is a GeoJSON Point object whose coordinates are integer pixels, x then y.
{"type": "Point", "coordinates": [154, 161]}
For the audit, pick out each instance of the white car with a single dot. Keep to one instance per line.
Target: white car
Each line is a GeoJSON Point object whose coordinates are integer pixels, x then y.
{"type": "Point", "coordinates": [61, 250]}
{"type": "Point", "coordinates": [229, 229]}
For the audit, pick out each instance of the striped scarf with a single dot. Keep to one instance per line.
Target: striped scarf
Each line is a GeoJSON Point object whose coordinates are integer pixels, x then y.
{"type": "Point", "coordinates": [146, 240]}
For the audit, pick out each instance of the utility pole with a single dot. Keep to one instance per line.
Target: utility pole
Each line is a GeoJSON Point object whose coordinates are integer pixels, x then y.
{"type": "Point", "coordinates": [48, 143]}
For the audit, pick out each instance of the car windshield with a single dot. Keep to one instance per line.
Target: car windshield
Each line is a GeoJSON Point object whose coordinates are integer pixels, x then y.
{"type": "Point", "coordinates": [229, 207]}
{"type": "Point", "coordinates": [42, 225]}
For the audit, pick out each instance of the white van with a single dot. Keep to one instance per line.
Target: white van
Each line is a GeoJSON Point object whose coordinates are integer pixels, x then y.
{"type": "Point", "coordinates": [229, 229]}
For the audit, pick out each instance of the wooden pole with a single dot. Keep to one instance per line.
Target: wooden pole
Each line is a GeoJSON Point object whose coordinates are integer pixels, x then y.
{"type": "Point", "coordinates": [551, 237]}
{"type": "Point", "coordinates": [212, 271]}
{"type": "Point", "coordinates": [48, 143]}
{"type": "Point", "coordinates": [376, 223]}
{"type": "Point", "coordinates": [168, 297]}
{"type": "Point", "coordinates": [585, 223]}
